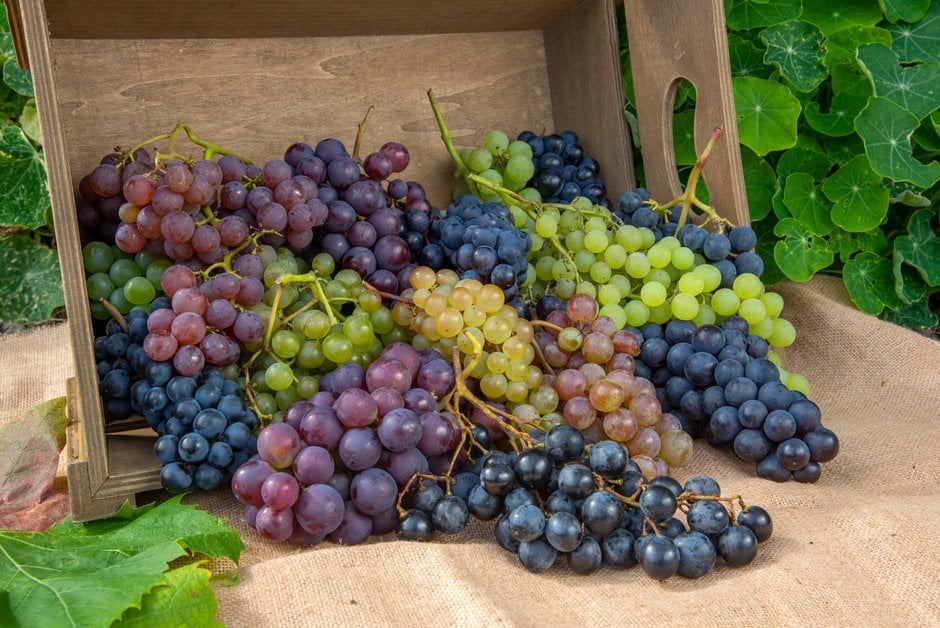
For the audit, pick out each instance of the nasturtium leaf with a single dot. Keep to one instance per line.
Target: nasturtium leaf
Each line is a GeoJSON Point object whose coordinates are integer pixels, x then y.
{"type": "Point", "coordinates": [799, 253]}
{"type": "Point", "coordinates": [843, 149]}
{"type": "Point", "coordinates": [24, 192]}
{"type": "Point", "coordinates": [807, 203]}
{"type": "Point", "coordinates": [746, 58]}
{"type": "Point", "coordinates": [765, 248]}
{"type": "Point", "coordinates": [745, 14]}
{"type": "Point", "coordinates": [886, 129]}
{"type": "Point", "coordinates": [917, 315]}
{"type": "Point", "coordinates": [918, 41]}
{"type": "Point", "coordinates": [907, 194]}
{"type": "Point", "coordinates": [860, 200]}
{"type": "Point", "coordinates": [685, 94]}
{"type": "Point", "coordinates": [29, 457]}
{"type": "Point", "coordinates": [842, 243]}
{"type": "Point", "coordinates": [759, 183]}
{"type": "Point", "coordinates": [30, 280]}
{"type": "Point", "coordinates": [833, 15]}
{"type": "Point", "coordinates": [90, 574]}
{"type": "Point", "coordinates": [925, 137]}
{"type": "Point", "coordinates": [908, 284]}
{"type": "Point", "coordinates": [935, 121]}
{"type": "Point", "coordinates": [915, 88]}
{"type": "Point", "coordinates": [921, 247]}
{"type": "Point", "coordinates": [767, 114]}
{"type": "Point", "coordinates": [683, 137]}
{"type": "Point", "coordinates": [875, 241]}
{"type": "Point", "coordinates": [796, 49]}
{"type": "Point", "coordinates": [780, 208]}
{"type": "Point", "coordinates": [799, 159]}
{"type": "Point", "coordinates": [842, 44]}
{"type": "Point", "coordinates": [809, 142]}
{"type": "Point", "coordinates": [186, 599]}
{"type": "Point", "coordinates": [843, 110]}
{"type": "Point", "coordinates": [870, 282]}
{"type": "Point", "coordinates": [907, 10]}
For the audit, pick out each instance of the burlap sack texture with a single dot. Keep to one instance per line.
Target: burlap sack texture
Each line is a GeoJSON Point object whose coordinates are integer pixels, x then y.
{"type": "Point", "coordinates": [858, 548]}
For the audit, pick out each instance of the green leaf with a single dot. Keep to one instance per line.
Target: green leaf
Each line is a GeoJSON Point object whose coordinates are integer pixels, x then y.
{"type": "Point", "coordinates": [683, 137]}
{"type": "Point", "coordinates": [917, 315]}
{"type": "Point", "coordinates": [920, 41]}
{"type": "Point", "coordinates": [799, 253]}
{"type": "Point", "coordinates": [767, 114]}
{"type": "Point", "coordinates": [920, 247]}
{"type": "Point", "coordinates": [833, 15]}
{"type": "Point", "coordinates": [24, 193]}
{"type": "Point", "coordinates": [807, 203]}
{"type": "Point", "coordinates": [907, 194]}
{"type": "Point", "coordinates": [860, 201]}
{"type": "Point", "coordinates": [908, 284]}
{"type": "Point", "coordinates": [766, 240]}
{"type": "Point", "coordinates": [30, 280]}
{"type": "Point", "coordinates": [795, 47]}
{"type": "Point", "coordinates": [634, 127]}
{"type": "Point", "coordinates": [745, 14]}
{"type": "Point", "coordinates": [886, 129]}
{"type": "Point", "coordinates": [29, 121]}
{"type": "Point", "coordinates": [843, 110]}
{"type": "Point", "coordinates": [841, 45]}
{"type": "Point", "coordinates": [20, 80]}
{"type": "Point", "coordinates": [799, 159]}
{"type": "Point", "coordinates": [843, 149]}
{"type": "Point", "coordinates": [626, 68]}
{"type": "Point", "coordinates": [760, 182]}
{"type": "Point", "coordinates": [925, 137]}
{"type": "Point", "coordinates": [842, 243]}
{"type": "Point", "coordinates": [913, 88]}
{"type": "Point", "coordinates": [907, 10]}
{"type": "Point", "coordinates": [186, 599]}
{"type": "Point", "coordinates": [874, 241]}
{"type": "Point", "coordinates": [89, 574]}
{"type": "Point", "coordinates": [870, 282]}
{"type": "Point", "coordinates": [746, 58]}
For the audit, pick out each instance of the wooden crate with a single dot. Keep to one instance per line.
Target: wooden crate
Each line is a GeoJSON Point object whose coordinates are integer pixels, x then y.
{"type": "Point", "coordinates": [258, 76]}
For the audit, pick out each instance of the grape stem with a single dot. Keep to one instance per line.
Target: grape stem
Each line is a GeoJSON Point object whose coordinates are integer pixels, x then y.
{"type": "Point", "coordinates": [538, 352]}
{"type": "Point", "coordinates": [462, 169]}
{"type": "Point", "coordinates": [209, 151]}
{"type": "Point", "coordinates": [387, 295]}
{"type": "Point", "coordinates": [226, 262]}
{"type": "Point", "coordinates": [542, 323]}
{"type": "Point", "coordinates": [407, 487]}
{"type": "Point", "coordinates": [114, 313]}
{"type": "Point", "coordinates": [360, 132]}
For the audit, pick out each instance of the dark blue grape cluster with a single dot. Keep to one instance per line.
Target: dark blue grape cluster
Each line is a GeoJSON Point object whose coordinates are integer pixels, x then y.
{"type": "Point", "coordinates": [732, 253]}
{"type": "Point", "coordinates": [720, 385]}
{"type": "Point", "coordinates": [478, 240]}
{"type": "Point", "coordinates": [206, 432]}
{"type": "Point", "coordinates": [121, 361]}
{"type": "Point", "coordinates": [562, 171]}
{"type": "Point", "coordinates": [591, 504]}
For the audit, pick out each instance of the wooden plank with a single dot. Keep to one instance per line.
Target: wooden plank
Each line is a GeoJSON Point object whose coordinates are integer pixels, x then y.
{"type": "Point", "coordinates": [246, 19]}
{"type": "Point", "coordinates": [583, 55]}
{"type": "Point", "coordinates": [697, 41]}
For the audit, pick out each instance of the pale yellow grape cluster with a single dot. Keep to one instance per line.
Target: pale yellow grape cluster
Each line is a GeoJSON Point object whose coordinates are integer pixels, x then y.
{"type": "Point", "coordinates": [449, 311]}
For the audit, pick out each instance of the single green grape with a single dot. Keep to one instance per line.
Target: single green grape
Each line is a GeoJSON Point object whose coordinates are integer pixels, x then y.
{"type": "Point", "coordinates": [684, 306]}
{"type": "Point", "coordinates": [622, 283]}
{"type": "Point", "coordinates": [496, 142]}
{"type": "Point", "coordinates": [310, 355]}
{"type": "Point", "coordinates": [659, 256]}
{"type": "Point", "coordinates": [671, 243]}
{"type": "Point", "coordinates": [349, 277]}
{"type": "Point", "coordinates": [682, 258]}
{"type": "Point", "coordinates": [266, 403]}
{"type": "Point", "coordinates": [478, 160]}
{"type": "Point", "coordinates": [773, 302]}
{"type": "Point", "coordinates": [660, 276]}
{"type": "Point", "coordinates": [594, 223]}
{"type": "Point", "coordinates": [637, 313]}
{"type": "Point", "coordinates": [119, 301]}
{"type": "Point", "coordinates": [382, 321]}
{"type": "Point", "coordinates": [783, 333]}
{"type": "Point", "coordinates": [323, 264]}
{"type": "Point", "coordinates": [653, 294]}
{"type": "Point", "coordinates": [97, 257]}
{"type": "Point", "coordinates": [725, 302]}
{"type": "Point", "coordinates": [565, 288]}
{"type": "Point", "coordinates": [615, 256]}
{"type": "Point", "coordinates": [586, 287]}
{"type": "Point", "coordinates": [518, 148]}
{"type": "Point", "coordinates": [139, 291]}
{"type": "Point", "coordinates": [583, 260]}
{"type": "Point", "coordinates": [519, 168]}
{"type": "Point", "coordinates": [753, 311]}
{"type": "Point", "coordinates": [543, 268]}
{"type": "Point", "coordinates": [629, 238]}
{"type": "Point", "coordinates": [706, 315]}
{"type": "Point", "coordinates": [546, 226]}
{"type": "Point", "coordinates": [637, 266]}
{"type": "Point", "coordinates": [285, 344]}
{"type": "Point", "coordinates": [575, 241]}
{"type": "Point", "coordinates": [358, 328]}
{"type": "Point", "coordinates": [122, 271]}
{"type": "Point", "coordinates": [748, 286]}
{"type": "Point", "coordinates": [596, 241]}
{"type": "Point", "coordinates": [337, 348]}
{"type": "Point", "coordinates": [155, 270]}
{"type": "Point", "coordinates": [307, 386]}
{"type": "Point", "coordinates": [710, 275]}
{"type": "Point", "coordinates": [278, 376]}
{"type": "Point", "coordinates": [600, 272]}
{"type": "Point", "coordinates": [615, 313]}
{"type": "Point", "coordinates": [661, 313]}
{"type": "Point", "coordinates": [690, 283]}
{"type": "Point", "coordinates": [99, 286]}
{"type": "Point", "coordinates": [285, 398]}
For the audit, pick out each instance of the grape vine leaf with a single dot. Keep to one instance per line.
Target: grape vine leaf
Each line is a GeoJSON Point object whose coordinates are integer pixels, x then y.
{"type": "Point", "coordinates": [746, 58]}
{"type": "Point", "coordinates": [30, 280]}
{"type": "Point", "coordinates": [807, 203]}
{"type": "Point", "coordinates": [907, 10]}
{"type": "Point", "coordinates": [920, 247]}
{"type": "Point", "coordinates": [683, 137]}
{"type": "Point", "coordinates": [767, 114]}
{"type": "Point", "coordinates": [807, 160]}
{"type": "Point", "coordinates": [23, 187]}
{"type": "Point", "coordinates": [870, 282]}
{"type": "Point", "coordinates": [914, 88]}
{"type": "Point", "coordinates": [759, 183]}
{"type": "Point", "coordinates": [833, 15]}
{"type": "Point", "coordinates": [745, 14]}
{"type": "Point", "coordinates": [796, 49]}
{"type": "Point", "coordinates": [907, 283]}
{"type": "Point", "coordinates": [800, 253]}
{"type": "Point", "coordinates": [29, 457]}
{"type": "Point", "coordinates": [860, 200]}
{"type": "Point", "coordinates": [918, 41]}
{"type": "Point", "coordinates": [917, 315]}
{"type": "Point", "coordinates": [90, 574]}
{"type": "Point", "coordinates": [842, 44]}
{"type": "Point", "coordinates": [186, 599]}
{"type": "Point", "coordinates": [886, 130]}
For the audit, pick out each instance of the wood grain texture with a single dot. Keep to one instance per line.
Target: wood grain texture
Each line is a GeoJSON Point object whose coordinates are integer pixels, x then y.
{"type": "Point", "coordinates": [671, 40]}
{"type": "Point", "coordinates": [583, 58]}
{"type": "Point", "coordinates": [247, 19]}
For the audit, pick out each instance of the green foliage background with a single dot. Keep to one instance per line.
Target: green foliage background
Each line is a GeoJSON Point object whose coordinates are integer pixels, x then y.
{"type": "Point", "coordinates": [838, 115]}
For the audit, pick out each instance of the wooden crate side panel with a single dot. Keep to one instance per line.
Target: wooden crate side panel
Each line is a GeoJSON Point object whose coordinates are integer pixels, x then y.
{"type": "Point", "coordinates": [671, 40]}
{"type": "Point", "coordinates": [583, 53]}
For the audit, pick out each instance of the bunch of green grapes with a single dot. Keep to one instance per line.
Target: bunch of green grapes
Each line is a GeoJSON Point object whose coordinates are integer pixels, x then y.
{"type": "Point", "coordinates": [322, 318]}
{"type": "Point", "coordinates": [507, 164]}
{"type": "Point", "coordinates": [471, 316]}
{"type": "Point", "coordinates": [124, 280]}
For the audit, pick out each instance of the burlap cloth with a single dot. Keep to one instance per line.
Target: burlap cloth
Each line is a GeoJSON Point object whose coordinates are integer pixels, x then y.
{"type": "Point", "coordinates": [860, 547]}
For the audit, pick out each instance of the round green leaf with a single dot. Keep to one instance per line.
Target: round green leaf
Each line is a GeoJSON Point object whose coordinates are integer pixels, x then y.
{"type": "Point", "coordinates": [907, 10]}
{"type": "Point", "coordinates": [760, 183]}
{"type": "Point", "coordinates": [843, 149]}
{"type": "Point", "coordinates": [860, 200]}
{"type": "Point", "coordinates": [807, 203]}
{"type": "Point", "coordinates": [30, 281]}
{"type": "Point", "coordinates": [886, 129]}
{"type": "Point", "coordinates": [809, 161]}
{"type": "Point", "coordinates": [767, 114]}
{"type": "Point", "coordinates": [745, 14]}
{"type": "Point", "coordinates": [746, 58]}
{"type": "Point", "coordinates": [914, 88]}
{"type": "Point", "coordinates": [842, 112]}
{"type": "Point", "coordinates": [683, 137]}
{"type": "Point", "coordinates": [917, 315]}
{"type": "Point", "coordinates": [870, 282]}
{"type": "Point", "coordinates": [833, 15]}
{"type": "Point", "coordinates": [842, 44]}
{"type": "Point", "coordinates": [917, 41]}
{"type": "Point", "coordinates": [795, 47]}
{"type": "Point", "coordinates": [920, 247]}
{"type": "Point", "coordinates": [842, 243]}
{"type": "Point", "coordinates": [799, 253]}
{"type": "Point", "coordinates": [24, 193]}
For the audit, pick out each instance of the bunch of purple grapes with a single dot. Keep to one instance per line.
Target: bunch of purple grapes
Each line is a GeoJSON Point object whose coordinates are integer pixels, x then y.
{"type": "Point", "coordinates": [337, 463]}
